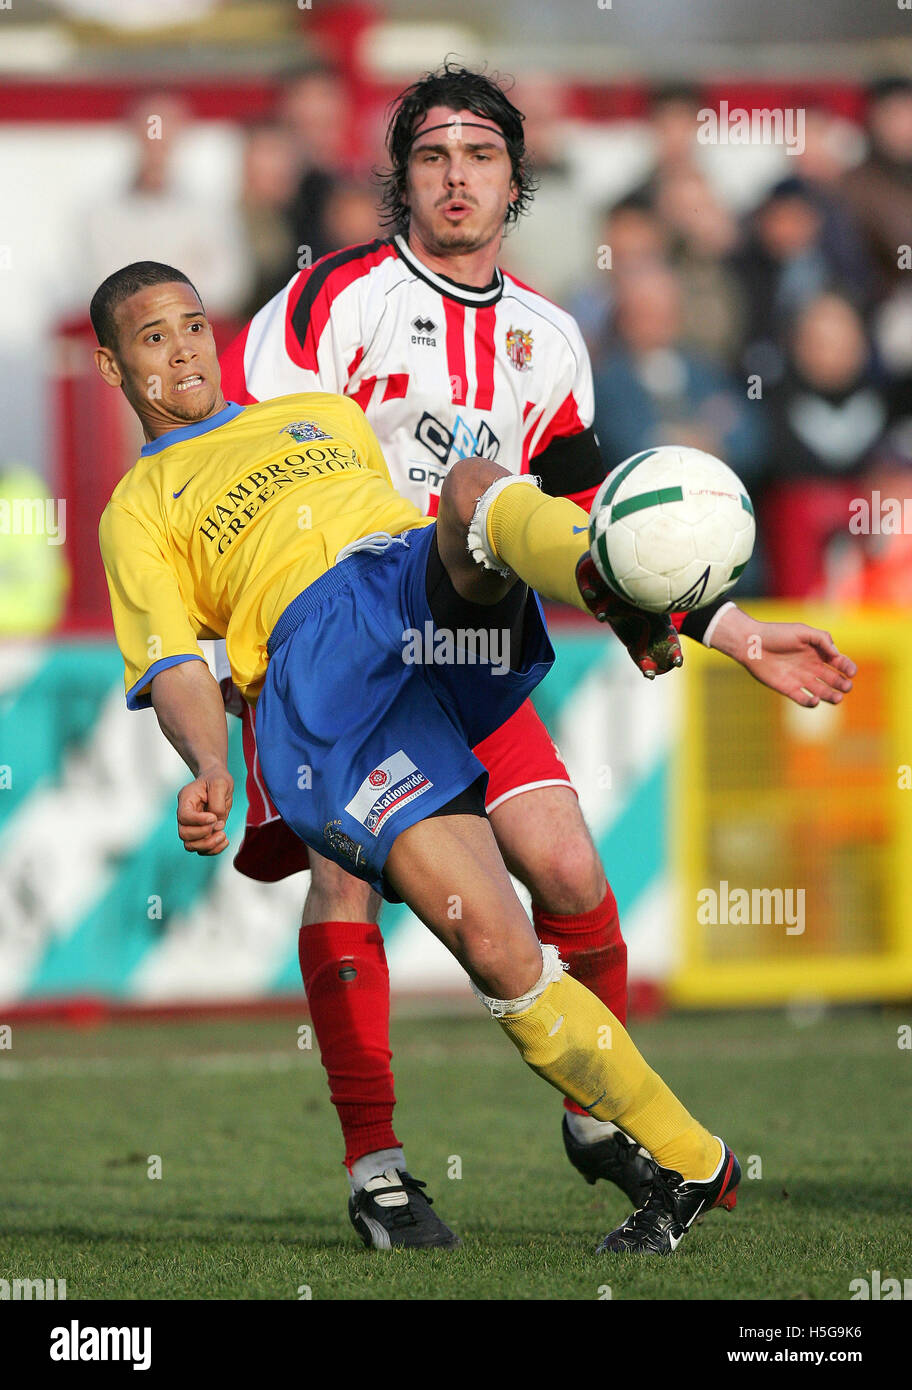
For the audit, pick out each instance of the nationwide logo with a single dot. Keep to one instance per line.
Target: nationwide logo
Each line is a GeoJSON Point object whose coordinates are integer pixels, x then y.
{"type": "Point", "coordinates": [424, 328]}
{"type": "Point", "coordinates": [303, 431]}
{"type": "Point", "coordinates": [519, 348]}
{"type": "Point", "coordinates": [403, 782]}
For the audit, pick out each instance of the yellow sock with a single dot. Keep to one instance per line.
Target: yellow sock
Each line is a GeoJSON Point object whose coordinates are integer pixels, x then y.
{"type": "Point", "coordinates": [534, 534]}
{"type": "Point", "coordinates": [571, 1039]}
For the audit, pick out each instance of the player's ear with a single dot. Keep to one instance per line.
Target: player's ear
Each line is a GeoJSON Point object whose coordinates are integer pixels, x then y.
{"type": "Point", "coordinates": [107, 364]}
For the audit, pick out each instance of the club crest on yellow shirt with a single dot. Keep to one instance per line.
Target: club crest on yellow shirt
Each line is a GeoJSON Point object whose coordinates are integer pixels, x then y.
{"type": "Point", "coordinates": [519, 348]}
{"type": "Point", "coordinates": [303, 431]}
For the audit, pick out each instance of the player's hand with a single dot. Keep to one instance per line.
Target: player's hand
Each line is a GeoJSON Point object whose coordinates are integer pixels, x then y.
{"type": "Point", "coordinates": [650, 638]}
{"type": "Point", "coordinates": [202, 810]}
{"type": "Point", "coordinates": [803, 663]}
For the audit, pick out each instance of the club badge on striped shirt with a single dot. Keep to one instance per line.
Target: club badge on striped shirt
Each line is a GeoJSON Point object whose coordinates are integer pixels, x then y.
{"type": "Point", "coordinates": [519, 348]}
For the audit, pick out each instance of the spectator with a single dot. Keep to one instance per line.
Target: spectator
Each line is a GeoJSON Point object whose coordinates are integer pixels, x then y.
{"type": "Point", "coordinates": [704, 237]}
{"type": "Point", "coordinates": [315, 110]}
{"type": "Point", "coordinates": [269, 179]}
{"type": "Point", "coordinates": [673, 113]}
{"type": "Point", "coordinates": [350, 214]}
{"type": "Point", "coordinates": [829, 412]}
{"type": "Point", "coordinates": [635, 236]}
{"type": "Point", "coordinates": [631, 236]}
{"type": "Point", "coordinates": [830, 148]}
{"type": "Point", "coordinates": [156, 219]}
{"type": "Point", "coordinates": [827, 415]}
{"type": "Point", "coordinates": [655, 390]}
{"type": "Point", "coordinates": [549, 248]}
{"type": "Point", "coordinates": [782, 266]}
{"type": "Point", "coordinates": [880, 189]}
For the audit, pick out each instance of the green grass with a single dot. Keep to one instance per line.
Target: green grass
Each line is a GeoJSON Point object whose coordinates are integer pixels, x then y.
{"type": "Point", "coordinates": [252, 1199]}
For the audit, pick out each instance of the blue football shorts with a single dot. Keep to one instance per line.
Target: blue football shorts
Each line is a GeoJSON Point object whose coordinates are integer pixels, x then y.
{"type": "Point", "coordinates": [368, 714]}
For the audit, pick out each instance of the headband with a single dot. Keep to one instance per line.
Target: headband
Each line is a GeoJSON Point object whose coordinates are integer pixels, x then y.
{"type": "Point", "coordinates": [457, 123]}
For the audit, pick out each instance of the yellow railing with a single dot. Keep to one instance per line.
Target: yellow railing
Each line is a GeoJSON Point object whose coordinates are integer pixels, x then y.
{"type": "Point", "coordinates": [791, 829]}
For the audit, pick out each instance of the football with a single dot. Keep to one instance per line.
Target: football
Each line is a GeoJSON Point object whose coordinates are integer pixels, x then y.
{"type": "Point", "coordinates": [671, 529]}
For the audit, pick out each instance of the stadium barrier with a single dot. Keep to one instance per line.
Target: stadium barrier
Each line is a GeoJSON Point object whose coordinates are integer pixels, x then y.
{"type": "Point", "coordinates": [770, 801]}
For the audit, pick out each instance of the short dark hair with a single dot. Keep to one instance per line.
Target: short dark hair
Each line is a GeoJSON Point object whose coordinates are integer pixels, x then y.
{"type": "Point", "coordinates": [120, 286]}
{"type": "Point", "coordinates": [301, 72]}
{"type": "Point", "coordinates": [632, 202]}
{"type": "Point", "coordinates": [674, 94]}
{"type": "Point", "coordinates": [461, 90]}
{"type": "Point", "coordinates": [894, 84]}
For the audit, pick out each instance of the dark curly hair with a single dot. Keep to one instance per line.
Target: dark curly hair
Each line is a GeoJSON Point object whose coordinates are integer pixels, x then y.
{"type": "Point", "coordinates": [461, 90]}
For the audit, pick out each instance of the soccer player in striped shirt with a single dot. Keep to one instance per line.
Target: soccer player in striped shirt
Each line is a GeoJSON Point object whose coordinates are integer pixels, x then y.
{"type": "Point", "coordinates": [451, 358]}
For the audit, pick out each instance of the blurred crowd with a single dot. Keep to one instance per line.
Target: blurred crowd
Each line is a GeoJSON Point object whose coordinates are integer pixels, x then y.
{"type": "Point", "coordinates": [776, 333]}
{"type": "Point", "coordinates": [778, 337]}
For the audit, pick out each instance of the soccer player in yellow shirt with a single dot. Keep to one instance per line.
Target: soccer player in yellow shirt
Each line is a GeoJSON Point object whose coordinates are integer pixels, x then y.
{"type": "Point", "coordinates": [381, 646]}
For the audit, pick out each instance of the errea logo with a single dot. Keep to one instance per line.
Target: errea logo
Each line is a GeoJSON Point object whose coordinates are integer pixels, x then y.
{"type": "Point", "coordinates": [424, 329]}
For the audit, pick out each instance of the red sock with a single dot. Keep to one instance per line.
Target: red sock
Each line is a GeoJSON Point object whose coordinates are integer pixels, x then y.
{"type": "Point", "coordinates": [592, 946]}
{"type": "Point", "coordinates": [343, 966]}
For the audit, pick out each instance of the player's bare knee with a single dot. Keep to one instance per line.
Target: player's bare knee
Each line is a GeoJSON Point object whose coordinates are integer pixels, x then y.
{"type": "Point", "coordinates": [334, 896]}
{"type": "Point", "coordinates": [462, 487]}
{"type": "Point", "coordinates": [503, 969]}
{"type": "Point", "coordinates": [568, 876]}
{"type": "Point", "coordinates": [466, 481]}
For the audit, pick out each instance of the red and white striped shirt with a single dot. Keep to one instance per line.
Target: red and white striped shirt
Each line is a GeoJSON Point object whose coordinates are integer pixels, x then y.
{"type": "Point", "coordinates": [443, 371]}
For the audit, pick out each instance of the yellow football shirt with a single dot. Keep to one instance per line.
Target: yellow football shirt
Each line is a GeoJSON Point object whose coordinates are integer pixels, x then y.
{"type": "Point", "coordinates": [220, 524]}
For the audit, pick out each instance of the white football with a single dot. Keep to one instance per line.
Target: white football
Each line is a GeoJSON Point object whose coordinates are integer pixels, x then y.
{"type": "Point", "coordinates": [671, 529]}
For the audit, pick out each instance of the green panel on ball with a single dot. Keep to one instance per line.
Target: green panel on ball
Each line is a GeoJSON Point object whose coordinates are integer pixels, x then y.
{"type": "Point", "coordinates": [624, 473]}
{"type": "Point", "coordinates": [646, 499]}
{"type": "Point", "coordinates": [607, 572]}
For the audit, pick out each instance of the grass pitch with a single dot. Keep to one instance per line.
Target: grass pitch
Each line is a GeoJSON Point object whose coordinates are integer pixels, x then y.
{"type": "Point", "coordinates": [251, 1201]}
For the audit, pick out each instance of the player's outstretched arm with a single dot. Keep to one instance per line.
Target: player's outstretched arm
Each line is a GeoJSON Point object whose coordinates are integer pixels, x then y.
{"type": "Point", "coordinates": [800, 662]}
{"type": "Point", "coordinates": [191, 715]}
